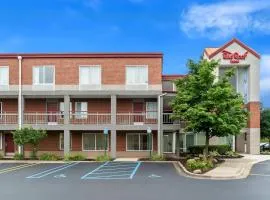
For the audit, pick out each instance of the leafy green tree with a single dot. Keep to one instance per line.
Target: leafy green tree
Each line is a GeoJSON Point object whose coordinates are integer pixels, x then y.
{"type": "Point", "coordinates": [29, 136]}
{"type": "Point", "coordinates": [209, 104]}
{"type": "Point", "coordinates": [265, 124]}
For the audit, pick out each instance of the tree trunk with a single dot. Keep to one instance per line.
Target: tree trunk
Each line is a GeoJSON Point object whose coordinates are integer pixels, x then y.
{"type": "Point", "coordinates": [206, 149]}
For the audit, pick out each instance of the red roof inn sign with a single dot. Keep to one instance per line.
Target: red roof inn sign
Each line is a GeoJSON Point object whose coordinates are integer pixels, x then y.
{"type": "Point", "coordinates": [234, 57]}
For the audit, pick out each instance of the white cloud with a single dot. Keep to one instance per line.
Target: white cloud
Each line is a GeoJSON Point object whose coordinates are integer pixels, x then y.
{"type": "Point", "coordinates": [265, 74]}
{"type": "Point", "coordinates": [226, 18]}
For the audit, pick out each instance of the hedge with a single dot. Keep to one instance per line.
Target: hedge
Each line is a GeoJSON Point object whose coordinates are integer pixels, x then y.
{"type": "Point", "coordinates": [221, 149]}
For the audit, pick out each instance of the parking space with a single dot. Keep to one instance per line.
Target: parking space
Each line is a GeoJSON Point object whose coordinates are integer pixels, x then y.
{"type": "Point", "coordinates": [261, 169]}
{"type": "Point", "coordinates": [114, 170]}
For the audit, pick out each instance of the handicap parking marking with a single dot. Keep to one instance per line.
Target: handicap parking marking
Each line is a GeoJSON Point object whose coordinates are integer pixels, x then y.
{"type": "Point", "coordinates": [52, 171]}
{"type": "Point", "coordinates": [113, 170]}
{"type": "Point", "coordinates": [18, 167]}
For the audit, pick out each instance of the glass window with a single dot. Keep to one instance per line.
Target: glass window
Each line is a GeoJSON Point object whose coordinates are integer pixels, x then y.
{"type": "Point", "coordinates": [136, 75]}
{"type": "Point", "coordinates": [62, 108]}
{"type": "Point", "coordinates": [90, 75]}
{"type": "Point", "coordinates": [81, 110]}
{"type": "Point", "coordinates": [43, 75]}
{"type": "Point", "coordinates": [4, 75]}
{"type": "Point", "coordinates": [94, 141]}
{"type": "Point", "coordinates": [151, 110]}
{"type": "Point", "coordinates": [61, 145]}
{"type": "Point", "coordinates": [137, 142]}
{"type": "Point", "coordinates": [190, 140]}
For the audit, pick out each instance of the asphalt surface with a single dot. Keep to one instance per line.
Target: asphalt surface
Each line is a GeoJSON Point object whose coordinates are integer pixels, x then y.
{"type": "Point", "coordinates": [117, 181]}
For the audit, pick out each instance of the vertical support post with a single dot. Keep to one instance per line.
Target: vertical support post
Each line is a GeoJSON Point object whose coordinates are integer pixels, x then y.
{"type": "Point", "coordinates": [160, 124]}
{"type": "Point", "coordinates": [66, 123]}
{"type": "Point", "coordinates": [113, 125]}
{"type": "Point", "coordinates": [20, 112]}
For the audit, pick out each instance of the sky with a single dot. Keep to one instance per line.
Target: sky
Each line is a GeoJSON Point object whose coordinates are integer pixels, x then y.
{"type": "Point", "coordinates": [181, 29]}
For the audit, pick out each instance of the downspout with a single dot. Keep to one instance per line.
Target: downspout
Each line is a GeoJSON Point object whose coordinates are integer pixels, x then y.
{"type": "Point", "coordinates": [20, 148]}
{"type": "Point", "coordinates": [160, 123]}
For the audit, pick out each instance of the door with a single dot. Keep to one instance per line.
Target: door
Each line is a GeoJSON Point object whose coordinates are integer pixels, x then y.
{"type": "Point", "coordinates": [9, 148]}
{"type": "Point", "coordinates": [52, 111]}
{"type": "Point", "coordinates": [138, 108]}
{"type": "Point", "coordinates": [168, 142]}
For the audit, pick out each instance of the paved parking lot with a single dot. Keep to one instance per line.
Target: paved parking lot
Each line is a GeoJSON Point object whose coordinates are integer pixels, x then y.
{"type": "Point", "coordinates": [123, 180]}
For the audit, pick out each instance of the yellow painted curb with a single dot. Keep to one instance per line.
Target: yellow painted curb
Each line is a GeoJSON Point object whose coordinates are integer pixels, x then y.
{"type": "Point", "coordinates": [11, 169]}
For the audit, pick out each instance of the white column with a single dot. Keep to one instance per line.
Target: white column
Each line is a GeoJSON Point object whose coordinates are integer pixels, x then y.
{"type": "Point", "coordinates": [160, 125]}
{"type": "Point", "coordinates": [20, 101]}
{"type": "Point", "coordinates": [66, 123]}
{"type": "Point", "coordinates": [113, 123]}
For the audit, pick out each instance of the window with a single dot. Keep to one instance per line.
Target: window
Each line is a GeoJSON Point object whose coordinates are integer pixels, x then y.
{"type": "Point", "coordinates": [136, 75]}
{"type": "Point", "coordinates": [4, 75]}
{"type": "Point", "coordinates": [138, 142]}
{"type": "Point", "coordinates": [61, 141]}
{"type": "Point", "coordinates": [81, 110]}
{"type": "Point", "coordinates": [1, 140]}
{"type": "Point", "coordinates": [151, 110]}
{"type": "Point", "coordinates": [94, 142]}
{"type": "Point", "coordinates": [62, 108]}
{"type": "Point", "coordinates": [1, 110]}
{"type": "Point", "coordinates": [90, 75]}
{"type": "Point", "coordinates": [43, 75]}
{"type": "Point", "coordinates": [239, 80]}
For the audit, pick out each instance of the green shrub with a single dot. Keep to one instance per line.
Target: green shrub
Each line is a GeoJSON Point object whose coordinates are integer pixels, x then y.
{"type": "Point", "coordinates": [33, 156]}
{"type": "Point", "coordinates": [18, 156]}
{"type": "Point", "coordinates": [204, 165]}
{"type": "Point", "coordinates": [156, 157]}
{"type": "Point", "coordinates": [1, 156]}
{"type": "Point", "coordinates": [231, 154]}
{"type": "Point", "coordinates": [198, 149]}
{"type": "Point", "coordinates": [103, 158]}
{"type": "Point", "coordinates": [49, 157]}
{"type": "Point", "coordinates": [214, 153]}
{"type": "Point", "coordinates": [75, 157]}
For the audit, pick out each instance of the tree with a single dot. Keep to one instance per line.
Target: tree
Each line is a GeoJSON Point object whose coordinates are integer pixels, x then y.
{"type": "Point", "coordinates": [209, 105]}
{"type": "Point", "coordinates": [29, 136]}
{"type": "Point", "coordinates": [265, 124]}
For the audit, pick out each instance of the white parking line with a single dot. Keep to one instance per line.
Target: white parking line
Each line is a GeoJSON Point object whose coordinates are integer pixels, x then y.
{"type": "Point", "coordinates": [267, 175]}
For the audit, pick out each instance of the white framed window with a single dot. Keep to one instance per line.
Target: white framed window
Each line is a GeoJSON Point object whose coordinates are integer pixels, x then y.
{"type": "Point", "coordinates": [61, 141]}
{"type": "Point", "coordinates": [138, 142]}
{"type": "Point", "coordinates": [94, 142]}
{"type": "Point", "coordinates": [62, 108]}
{"type": "Point", "coordinates": [44, 75]}
{"type": "Point", "coordinates": [136, 75]}
{"type": "Point", "coordinates": [4, 75]}
{"type": "Point", "coordinates": [151, 110]}
{"type": "Point", "coordinates": [239, 80]}
{"type": "Point", "coordinates": [90, 75]}
{"type": "Point", "coordinates": [81, 110]}
{"type": "Point", "coordinates": [1, 140]}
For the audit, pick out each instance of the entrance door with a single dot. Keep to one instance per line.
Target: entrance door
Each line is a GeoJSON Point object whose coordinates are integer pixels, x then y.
{"type": "Point", "coordinates": [138, 111]}
{"type": "Point", "coordinates": [168, 142]}
{"type": "Point", "coordinates": [9, 148]}
{"type": "Point", "coordinates": [52, 110]}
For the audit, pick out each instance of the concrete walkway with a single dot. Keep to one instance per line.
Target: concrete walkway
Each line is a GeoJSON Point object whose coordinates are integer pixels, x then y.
{"type": "Point", "coordinates": [231, 168]}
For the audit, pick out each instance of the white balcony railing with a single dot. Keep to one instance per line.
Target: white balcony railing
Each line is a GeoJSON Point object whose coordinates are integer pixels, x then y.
{"type": "Point", "coordinates": [8, 118]}
{"type": "Point", "coordinates": [167, 119]}
{"type": "Point", "coordinates": [136, 118]}
{"type": "Point", "coordinates": [43, 118]}
{"type": "Point", "coordinates": [90, 118]}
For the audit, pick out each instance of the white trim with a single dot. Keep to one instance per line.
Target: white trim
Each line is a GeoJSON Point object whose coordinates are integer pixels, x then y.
{"type": "Point", "coordinates": [146, 66]}
{"type": "Point", "coordinates": [139, 142]}
{"type": "Point", "coordinates": [100, 75]}
{"type": "Point", "coordinates": [1, 141]}
{"type": "Point", "coordinates": [43, 84]}
{"type": "Point", "coordinates": [62, 133]}
{"type": "Point", "coordinates": [1, 67]}
{"type": "Point", "coordinates": [95, 150]}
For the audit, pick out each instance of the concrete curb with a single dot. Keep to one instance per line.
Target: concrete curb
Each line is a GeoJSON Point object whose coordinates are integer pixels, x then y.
{"type": "Point", "coordinates": [242, 174]}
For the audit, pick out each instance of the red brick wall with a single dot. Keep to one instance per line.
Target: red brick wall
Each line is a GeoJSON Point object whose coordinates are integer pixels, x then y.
{"type": "Point", "coordinates": [13, 69]}
{"type": "Point", "coordinates": [254, 118]}
{"type": "Point", "coordinates": [9, 105]}
{"type": "Point", "coordinates": [113, 69]}
{"type": "Point", "coordinates": [35, 105]}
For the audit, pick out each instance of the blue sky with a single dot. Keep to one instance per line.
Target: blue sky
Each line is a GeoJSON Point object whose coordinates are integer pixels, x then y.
{"type": "Point", "coordinates": [180, 29]}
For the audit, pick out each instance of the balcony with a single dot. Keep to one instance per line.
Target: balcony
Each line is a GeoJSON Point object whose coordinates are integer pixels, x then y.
{"type": "Point", "coordinates": [8, 118]}
{"type": "Point", "coordinates": [81, 118]}
{"type": "Point", "coordinates": [136, 118]}
{"type": "Point", "coordinates": [167, 120]}
{"type": "Point", "coordinates": [43, 118]}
